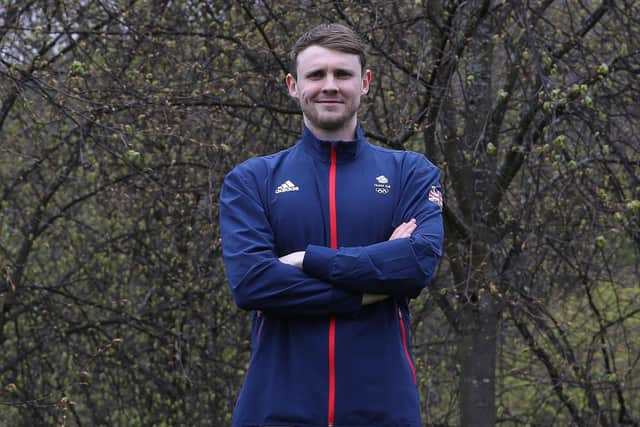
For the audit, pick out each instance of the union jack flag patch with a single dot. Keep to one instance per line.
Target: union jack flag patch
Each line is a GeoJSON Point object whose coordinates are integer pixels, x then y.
{"type": "Point", "coordinates": [435, 196]}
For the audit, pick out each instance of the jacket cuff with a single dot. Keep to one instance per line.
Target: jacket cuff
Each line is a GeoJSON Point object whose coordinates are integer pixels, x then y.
{"type": "Point", "coordinates": [317, 261]}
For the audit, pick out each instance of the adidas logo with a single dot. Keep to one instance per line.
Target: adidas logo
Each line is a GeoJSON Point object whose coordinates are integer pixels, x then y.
{"type": "Point", "coordinates": [287, 186]}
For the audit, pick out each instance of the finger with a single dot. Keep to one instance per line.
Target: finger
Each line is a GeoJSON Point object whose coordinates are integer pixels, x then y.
{"type": "Point", "coordinates": [397, 232]}
{"type": "Point", "coordinates": [404, 230]}
{"type": "Point", "coordinates": [373, 298]}
{"type": "Point", "coordinates": [295, 259]}
{"type": "Point", "coordinates": [409, 229]}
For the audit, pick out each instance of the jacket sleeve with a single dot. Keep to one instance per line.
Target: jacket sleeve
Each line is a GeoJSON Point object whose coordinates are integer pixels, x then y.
{"type": "Point", "coordinates": [400, 267]}
{"type": "Point", "coordinates": [257, 278]}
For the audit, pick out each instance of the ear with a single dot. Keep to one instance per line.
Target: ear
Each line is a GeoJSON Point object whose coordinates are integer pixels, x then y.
{"type": "Point", "coordinates": [366, 80]}
{"type": "Point", "coordinates": [292, 85]}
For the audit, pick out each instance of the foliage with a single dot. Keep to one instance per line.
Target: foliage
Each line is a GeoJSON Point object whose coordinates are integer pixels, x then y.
{"type": "Point", "coordinates": [118, 121]}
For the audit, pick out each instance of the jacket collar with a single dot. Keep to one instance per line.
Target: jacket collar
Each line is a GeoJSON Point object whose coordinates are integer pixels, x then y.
{"type": "Point", "coordinates": [320, 149]}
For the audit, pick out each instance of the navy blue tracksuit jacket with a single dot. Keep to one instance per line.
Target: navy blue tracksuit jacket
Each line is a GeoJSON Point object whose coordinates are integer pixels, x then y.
{"type": "Point", "coordinates": [319, 357]}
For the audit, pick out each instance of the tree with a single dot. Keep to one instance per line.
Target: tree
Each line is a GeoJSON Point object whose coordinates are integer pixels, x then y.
{"type": "Point", "coordinates": [119, 120]}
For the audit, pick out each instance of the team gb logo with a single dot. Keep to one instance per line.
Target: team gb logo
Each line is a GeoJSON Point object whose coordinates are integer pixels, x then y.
{"type": "Point", "coordinates": [382, 185]}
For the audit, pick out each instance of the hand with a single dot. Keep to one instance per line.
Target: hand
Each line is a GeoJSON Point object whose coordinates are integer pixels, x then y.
{"type": "Point", "coordinates": [294, 258]}
{"type": "Point", "coordinates": [401, 231]}
{"type": "Point", "coordinates": [373, 298]}
{"type": "Point", "coordinates": [404, 230]}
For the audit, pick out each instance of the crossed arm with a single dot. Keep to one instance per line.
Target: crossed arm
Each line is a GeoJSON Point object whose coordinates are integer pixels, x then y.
{"type": "Point", "coordinates": [404, 230]}
{"type": "Point", "coordinates": [322, 280]}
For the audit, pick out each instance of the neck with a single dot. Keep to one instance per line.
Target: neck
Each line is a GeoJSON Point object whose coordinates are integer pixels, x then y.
{"type": "Point", "coordinates": [346, 133]}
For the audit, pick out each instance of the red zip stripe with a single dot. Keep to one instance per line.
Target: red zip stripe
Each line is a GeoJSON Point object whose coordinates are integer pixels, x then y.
{"type": "Point", "coordinates": [333, 230]}
{"type": "Point", "coordinates": [333, 227]}
{"type": "Point", "coordinates": [406, 346]}
{"type": "Point", "coordinates": [332, 371]}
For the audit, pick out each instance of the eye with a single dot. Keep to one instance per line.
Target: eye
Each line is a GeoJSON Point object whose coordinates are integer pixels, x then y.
{"type": "Point", "coordinates": [343, 74]}
{"type": "Point", "coordinates": [315, 75]}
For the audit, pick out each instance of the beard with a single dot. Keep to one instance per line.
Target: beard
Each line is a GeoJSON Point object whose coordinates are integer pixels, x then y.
{"type": "Point", "coordinates": [328, 118]}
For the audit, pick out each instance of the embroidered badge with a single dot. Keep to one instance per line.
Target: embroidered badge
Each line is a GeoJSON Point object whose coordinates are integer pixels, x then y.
{"type": "Point", "coordinates": [435, 196]}
{"type": "Point", "coordinates": [382, 185]}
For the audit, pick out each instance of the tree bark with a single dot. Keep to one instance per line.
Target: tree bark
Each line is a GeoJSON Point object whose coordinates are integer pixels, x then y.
{"type": "Point", "coordinates": [477, 360]}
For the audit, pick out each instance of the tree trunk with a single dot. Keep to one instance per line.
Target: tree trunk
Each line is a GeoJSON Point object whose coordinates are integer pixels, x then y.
{"type": "Point", "coordinates": [477, 360]}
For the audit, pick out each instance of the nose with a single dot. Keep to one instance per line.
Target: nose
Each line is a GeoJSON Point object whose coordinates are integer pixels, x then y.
{"type": "Point", "coordinates": [330, 84]}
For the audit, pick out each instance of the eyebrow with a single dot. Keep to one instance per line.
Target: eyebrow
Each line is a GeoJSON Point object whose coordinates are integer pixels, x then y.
{"type": "Point", "coordinates": [322, 70]}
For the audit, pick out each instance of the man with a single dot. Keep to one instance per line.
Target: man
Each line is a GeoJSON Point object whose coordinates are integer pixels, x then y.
{"type": "Point", "coordinates": [326, 242]}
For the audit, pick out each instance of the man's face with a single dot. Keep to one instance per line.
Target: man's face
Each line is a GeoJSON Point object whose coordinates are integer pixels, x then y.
{"type": "Point", "coordinates": [329, 86]}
